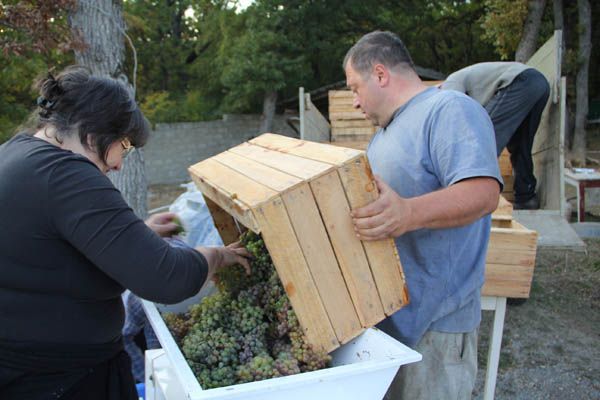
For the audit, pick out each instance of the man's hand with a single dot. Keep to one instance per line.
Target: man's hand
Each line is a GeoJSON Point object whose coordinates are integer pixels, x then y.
{"type": "Point", "coordinates": [164, 224]}
{"type": "Point", "coordinates": [387, 217]}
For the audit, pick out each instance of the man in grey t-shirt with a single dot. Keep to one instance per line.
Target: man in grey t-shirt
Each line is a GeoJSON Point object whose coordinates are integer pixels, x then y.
{"type": "Point", "coordinates": [435, 163]}
{"type": "Point", "coordinates": [514, 95]}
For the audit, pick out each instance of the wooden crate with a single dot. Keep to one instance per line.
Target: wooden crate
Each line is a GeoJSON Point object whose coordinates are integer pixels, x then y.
{"type": "Point", "coordinates": [507, 174]}
{"type": "Point", "coordinates": [298, 195]}
{"type": "Point", "coordinates": [511, 255]}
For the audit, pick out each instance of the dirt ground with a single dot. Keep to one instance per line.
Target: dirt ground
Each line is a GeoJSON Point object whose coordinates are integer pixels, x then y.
{"type": "Point", "coordinates": [551, 343]}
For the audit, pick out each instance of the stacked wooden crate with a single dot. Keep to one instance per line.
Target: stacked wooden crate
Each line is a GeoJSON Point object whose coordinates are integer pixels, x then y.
{"type": "Point", "coordinates": [298, 195]}
{"type": "Point", "coordinates": [507, 174]}
{"type": "Point", "coordinates": [510, 257]}
{"type": "Point", "coordinates": [348, 124]}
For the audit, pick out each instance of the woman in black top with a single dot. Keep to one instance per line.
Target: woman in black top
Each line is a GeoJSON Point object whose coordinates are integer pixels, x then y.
{"type": "Point", "coordinates": [70, 245]}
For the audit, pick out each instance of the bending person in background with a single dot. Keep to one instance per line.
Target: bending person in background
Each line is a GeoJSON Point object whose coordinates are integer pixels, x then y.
{"type": "Point", "coordinates": [70, 245]}
{"type": "Point", "coordinates": [438, 181]}
{"type": "Point", "coordinates": [514, 95]}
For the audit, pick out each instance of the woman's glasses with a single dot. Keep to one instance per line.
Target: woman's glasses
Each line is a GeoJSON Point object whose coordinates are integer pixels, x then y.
{"type": "Point", "coordinates": [127, 147]}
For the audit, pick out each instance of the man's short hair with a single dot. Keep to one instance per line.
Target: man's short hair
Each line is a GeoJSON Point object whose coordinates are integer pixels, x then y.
{"type": "Point", "coordinates": [378, 47]}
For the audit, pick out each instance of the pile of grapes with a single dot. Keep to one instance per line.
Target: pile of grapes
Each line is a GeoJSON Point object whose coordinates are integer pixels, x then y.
{"type": "Point", "coordinates": [247, 331]}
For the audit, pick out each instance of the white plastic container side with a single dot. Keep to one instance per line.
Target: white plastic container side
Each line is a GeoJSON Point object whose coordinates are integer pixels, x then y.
{"type": "Point", "coordinates": [362, 370]}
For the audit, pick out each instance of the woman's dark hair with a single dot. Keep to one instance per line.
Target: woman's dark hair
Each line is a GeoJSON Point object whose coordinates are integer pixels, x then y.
{"type": "Point", "coordinates": [75, 102]}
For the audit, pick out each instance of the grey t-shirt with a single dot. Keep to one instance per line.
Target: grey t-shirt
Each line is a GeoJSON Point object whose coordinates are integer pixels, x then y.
{"type": "Point", "coordinates": [435, 140]}
{"type": "Point", "coordinates": [481, 81]}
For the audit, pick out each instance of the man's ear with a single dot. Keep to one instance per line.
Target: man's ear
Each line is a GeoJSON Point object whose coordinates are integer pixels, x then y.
{"type": "Point", "coordinates": [381, 74]}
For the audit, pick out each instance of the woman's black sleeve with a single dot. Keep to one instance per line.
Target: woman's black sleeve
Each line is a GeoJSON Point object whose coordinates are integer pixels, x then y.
{"type": "Point", "coordinates": [91, 214]}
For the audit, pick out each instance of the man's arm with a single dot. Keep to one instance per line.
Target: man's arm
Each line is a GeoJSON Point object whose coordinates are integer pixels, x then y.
{"type": "Point", "coordinates": [457, 205]}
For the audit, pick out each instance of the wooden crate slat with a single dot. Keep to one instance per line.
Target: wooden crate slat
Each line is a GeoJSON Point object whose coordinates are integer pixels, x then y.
{"type": "Point", "coordinates": [504, 209]}
{"type": "Point", "coordinates": [352, 123]}
{"type": "Point", "coordinates": [335, 94]}
{"type": "Point", "coordinates": [369, 131]}
{"type": "Point", "coordinates": [239, 186]}
{"type": "Point", "coordinates": [513, 238]}
{"type": "Point", "coordinates": [343, 105]}
{"type": "Point", "coordinates": [287, 256]}
{"type": "Point", "coordinates": [359, 145]}
{"type": "Point", "coordinates": [265, 175]}
{"type": "Point", "coordinates": [225, 199]}
{"type": "Point", "coordinates": [355, 114]}
{"type": "Point", "coordinates": [350, 138]}
{"type": "Point", "coordinates": [507, 280]}
{"type": "Point", "coordinates": [504, 163]}
{"type": "Point", "coordinates": [315, 151]}
{"type": "Point", "coordinates": [334, 208]}
{"type": "Point", "coordinates": [521, 257]}
{"type": "Point", "coordinates": [290, 164]}
{"type": "Point", "coordinates": [360, 187]}
{"type": "Point", "coordinates": [312, 236]}
{"type": "Point", "coordinates": [223, 221]}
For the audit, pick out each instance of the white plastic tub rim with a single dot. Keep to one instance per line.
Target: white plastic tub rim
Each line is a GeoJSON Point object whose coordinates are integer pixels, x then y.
{"type": "Point", "coordinates": [372, 351]}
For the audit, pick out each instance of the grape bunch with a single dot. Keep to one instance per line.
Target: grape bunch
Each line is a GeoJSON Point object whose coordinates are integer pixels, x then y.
{"type": "Point", "coordinates": [247, 331]}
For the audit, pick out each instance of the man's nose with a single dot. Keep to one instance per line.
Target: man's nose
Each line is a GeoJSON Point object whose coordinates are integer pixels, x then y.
{"type": "Point", "coordinates": [355, 102]}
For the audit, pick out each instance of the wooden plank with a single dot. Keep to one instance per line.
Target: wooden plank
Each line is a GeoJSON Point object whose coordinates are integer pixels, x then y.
{"type": "Point", "coordinates": [283, 246]}
{"type": "Point", "coordinates": [318, 253]}
{"type": "Point", "coordinates": [351, 123]}
{"type": "Point", "coordinates": [334, 208]}
{"type": "Point", "coordinates": [226, 200]}
{"type": "Point", "coordinates": [359, 145]}
{"type": "Point", "coordinates": [360, 187]}
{"type": "Point", "coordinates": [357, 114]}
{"type": "Point", "coordinates": [314, 151]}
{"type": "Point", "coordinates": [547, 151]}
{"type": "Point", "coordinates": [223, 221]}
{"type": "Point", "coordinates": [288, 163]}
{"type": "Point", "coordinates": [523, 257]}
{"type": "Point", "coordinates": [507, 281]}
{"type": "Point", "coordinates": [336, 94]}
{"type": "Point", "coordinates": [236, 185]}
{"type": "Point", "coordinates": [351, 138]}
{"type": "Point", "coordinates": [368, 131]}
{"type": "Point", "coordinates": [510, 239]}
{"type": "Point", "coordinates": [342, 106]}
{"type": "Point", "coordinates": [505, 164]}
{"type": "Point", "coordinates": [504, 210]}
{"type": "Point", "coordinates": [260, 173]}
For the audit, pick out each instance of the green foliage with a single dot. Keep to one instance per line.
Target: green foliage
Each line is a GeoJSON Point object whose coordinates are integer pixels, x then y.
{"type": "Point", "coordinates": [18, 94]}
{"type": "Point", "coordinates": [503, 25]}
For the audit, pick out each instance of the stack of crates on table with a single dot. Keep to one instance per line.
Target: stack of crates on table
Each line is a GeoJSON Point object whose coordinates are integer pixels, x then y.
{"type": "Point", "coordinates": [510, 257]}
{"type": "Point", "coordinates": [298, 195]}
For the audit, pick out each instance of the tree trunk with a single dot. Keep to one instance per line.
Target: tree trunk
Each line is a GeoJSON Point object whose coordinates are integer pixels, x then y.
{"type": "Point", "coordinates": [585, 48]}
{"type": "Point", "coordinates": [100, 24]}
{"type": "Point", "coordinates": [268, 112]}
{"type": "Point", "coordinates": [528, 44]}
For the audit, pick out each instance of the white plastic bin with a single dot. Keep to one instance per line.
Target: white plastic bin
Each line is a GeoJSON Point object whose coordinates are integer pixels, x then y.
{"type": "Point", "coordinates": [362, 370]}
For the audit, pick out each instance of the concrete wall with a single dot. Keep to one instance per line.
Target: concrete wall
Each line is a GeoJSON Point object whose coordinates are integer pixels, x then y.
{"type": "Point", "coordinates": [172, 148]}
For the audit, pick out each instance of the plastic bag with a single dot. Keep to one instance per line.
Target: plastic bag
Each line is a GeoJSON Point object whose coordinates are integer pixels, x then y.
{"type": "Point", "coordinates": [196, 219]}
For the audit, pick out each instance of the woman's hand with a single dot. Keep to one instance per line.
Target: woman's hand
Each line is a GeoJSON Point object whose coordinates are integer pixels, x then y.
{"type": "Point", "coordinates": [222, 257]}
{"type": "Point", "coordinates": [164, 224]}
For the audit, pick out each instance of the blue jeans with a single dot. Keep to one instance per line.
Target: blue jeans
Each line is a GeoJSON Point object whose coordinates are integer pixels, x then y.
{"type": "Point", "coordinates": [515, 112]}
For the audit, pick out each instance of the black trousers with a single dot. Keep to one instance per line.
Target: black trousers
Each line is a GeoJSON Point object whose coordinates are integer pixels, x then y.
{"type": "Point", "coordinates": [515, 112]}
{"type": "Point", "coordinates": [32, 371]}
